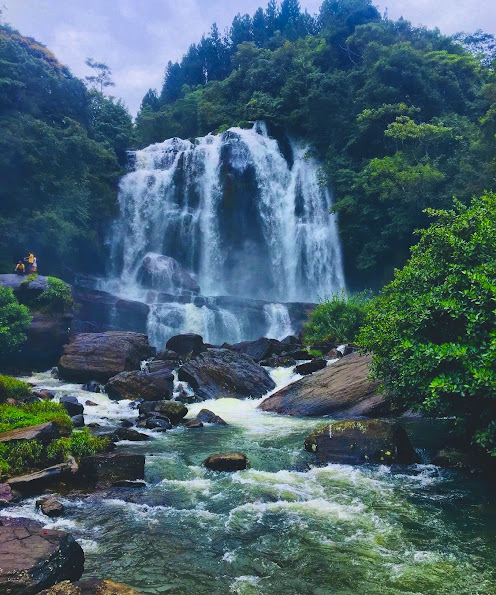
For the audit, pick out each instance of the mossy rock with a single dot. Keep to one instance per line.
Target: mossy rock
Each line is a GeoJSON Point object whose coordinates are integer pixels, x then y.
{"type": "Point", "coordinates": [358, 441]}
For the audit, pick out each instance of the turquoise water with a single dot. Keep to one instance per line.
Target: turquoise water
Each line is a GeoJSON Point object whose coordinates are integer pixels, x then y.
{"type": "Point", "coordinates": [283, 526]}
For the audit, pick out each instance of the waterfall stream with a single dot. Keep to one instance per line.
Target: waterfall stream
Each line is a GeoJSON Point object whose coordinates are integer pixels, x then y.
{"type": "Point", "coordinates": [239, 214]}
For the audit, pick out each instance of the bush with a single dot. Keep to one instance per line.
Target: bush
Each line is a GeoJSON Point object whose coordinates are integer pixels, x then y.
{"type": "Point", "coordinates": [11, 388]}
{"type": "Point", "coordinates": [79, 444]}
{"type": "Point", "coordinates": [14, 321]}
{"type": "Point", "coordinates": [432, 330]}
{"type": "Point", "coordinates": [337, 319]}
{"type": "Point", "coordinates": [56, 298]}
{"type": "Point", "coordinates": [23, 416]}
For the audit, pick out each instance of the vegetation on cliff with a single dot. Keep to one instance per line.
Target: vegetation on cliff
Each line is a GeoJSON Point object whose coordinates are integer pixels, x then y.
{"type": "Point", "coordinates": [14, 321]}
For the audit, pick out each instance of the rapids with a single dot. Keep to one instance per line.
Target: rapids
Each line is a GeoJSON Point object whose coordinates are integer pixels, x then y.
{"type": "Point", "coordinates": [282, 527]}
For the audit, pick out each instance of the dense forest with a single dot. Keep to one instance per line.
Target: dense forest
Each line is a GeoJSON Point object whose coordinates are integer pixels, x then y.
{"type": "Point", "coordinates": [401, 117]}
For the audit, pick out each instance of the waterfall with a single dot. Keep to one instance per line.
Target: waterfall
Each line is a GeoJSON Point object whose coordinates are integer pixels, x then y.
{"type": "Point", "coordinates": [236, 214]}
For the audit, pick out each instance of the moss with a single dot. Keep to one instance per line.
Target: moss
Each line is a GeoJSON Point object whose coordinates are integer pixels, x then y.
{"type": "Point", "coordinates": [29, 278]}
{"type": "Point", "coordinates": [11, 388]}
{"type": "Point", "coordinates": [25, 415]}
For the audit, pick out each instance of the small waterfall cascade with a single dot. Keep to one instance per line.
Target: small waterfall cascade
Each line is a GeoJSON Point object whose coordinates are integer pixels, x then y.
{"type": "Point", "coordinates": [238, 215]}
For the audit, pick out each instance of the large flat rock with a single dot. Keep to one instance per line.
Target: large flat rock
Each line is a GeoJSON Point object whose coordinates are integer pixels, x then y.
{"type": "Point", "coordinates": [222, 373]}
{"type": "Point", "coordinates": [38, 481]}
{"type": "Point", "coordinates": [44, 433]}
{"type": "Point", "coordinates": [33, 558]}
{"type": "Point", "coordinates": [100, 356]}
{"type": "Point", "coordinates": [343, 389]}
{"type": "Point", "coordinates": [150, 386]}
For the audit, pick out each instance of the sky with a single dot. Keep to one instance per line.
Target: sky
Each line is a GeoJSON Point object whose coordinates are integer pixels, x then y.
{"type": "Point", "coordinates": [137, 38]}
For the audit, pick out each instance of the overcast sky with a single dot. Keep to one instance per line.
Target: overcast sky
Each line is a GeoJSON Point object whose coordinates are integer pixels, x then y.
{"type": "Point", "coordinates": [137, 38]}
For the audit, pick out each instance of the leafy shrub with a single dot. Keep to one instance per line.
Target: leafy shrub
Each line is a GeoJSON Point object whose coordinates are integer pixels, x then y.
{"type": "Point", "coordinates": [11, 388]}
{"type": "Point", "coordinates": [432, 330]}
{"type": "Point", "coordinates": [14, 321]}
{"type": "Point", "coordinates": [337, 319]}
{"type": "Point", "coordinates": [17, 457]}
{"type": "Point", "coordinates": [79, 444]}
{"type": "Point", "coordinates": [25, 415]}
{"type": "Point", "coordinates": [56, 298]}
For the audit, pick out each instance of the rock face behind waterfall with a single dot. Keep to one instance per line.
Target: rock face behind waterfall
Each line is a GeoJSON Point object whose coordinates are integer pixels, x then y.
{"type": "Point", "coordinates": [342, 389]}
{"type": "Point", "coordinates": [220, 373]}
{"type": "Point", "coordinates": [165, 274]}
{"type": "Point", "coordinates": [100, 356]}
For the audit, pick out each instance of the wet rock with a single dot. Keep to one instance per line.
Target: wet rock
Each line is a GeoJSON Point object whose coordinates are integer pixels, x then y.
{"type": "Point", "coordinates": [291, 340]}
{"type": "Point", "coordinates": [37, 482]}
{"type": "Point", "coordinates": [108, 468]}
{"type": "Point", "coordinates": [92, 387]}
{"type": "Point", "coordinates": [158, 423]}
{"type": "Point", "coordinates": [44, 395]}
{"type": "Point", "coordinates": [353, 442]}
{"type": "Point", "coordinates": [173, 410]}
{"type": "Point", "coordinates": [311, 367]}
{"type": "Point", "coordinates": [234, 461]}
{"type": "Point", "coordinates": [158, 365]}
{"type": "Point", "coordinates": [50, 507]}
{"type": "Point", "coordinates": [186, 345]}
{"type": "Point", "coordinates": [342, 389]}
{"type": "Point", "coordinates": [208, 417]}
{"type": "Point", "coordinates": [452, 458]}
{"type": "Point", "coordinates": [90, 587]}
{"type": "Point", "coordinates": [193, 423]}
{"type": "Point", "coordinates": [126, 423]}
{"type": "Point", "coordinates": [166, 274]}
{"type": "Point", "coordinates": [168, 356]}
{"type": "Point", "coordinates": [150, 386]}
{"type": "Point", "coordinates": [128, 483]}
{"type": "Point", "coordinates": [43, 433]}
{"type": "Point", "coordinates": [33, 559]}
{"type": "Point", "coordinates": [100, 356]}
{"type": "Point", "coordinates": [94, 424]}
{"type": "Point", "coordinates": [260, 349]}
{"type": "Point", "coordinates": [280, 361]}
{"type": "Point", "coordinates": [343, 350]}
{"type": "Point", "coordinates": [71, 405]}
{"type": "Point", "coordinates": [300, 354]}
{"type": "Point", "coordinates": [7, 521]}
{"type": "Point", "coordinates": [90, 403]}
{"type": "Point", "coordinates": [222, 373]}
{"type": "Point", "coordinates": [6, 494]}
{"type": "Point", "coordinates": [78, 420]}
{"type": "Point", "coordinates": [133, 435]}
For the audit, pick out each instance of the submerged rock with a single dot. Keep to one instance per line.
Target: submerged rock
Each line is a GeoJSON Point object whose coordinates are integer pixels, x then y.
{"type": "Point", "coordinates": [354, 442]}
{"type": "Point", "coordinates": [343, 389]}
{"type": "Point", "coordinates": [33, 558]}
{"type": "Point", "coordinates": [50, 507]}
{"type": "Point", "coordinates": [100, 356]}
{"type": "Point", "coordinates": [150, 386]}
{"type": "Point", "coordinates": [108, 468]}
{"type": "Point", "coordinates": [220, 373]}
{"type": "Point", "coordinates": [90, 587]}
{"type": "Point", "coordinates": [234, 461]}
{"type": "Point", "coordinates": [194, 422]}
{"type": "Point", "coordinates": [132, 435]}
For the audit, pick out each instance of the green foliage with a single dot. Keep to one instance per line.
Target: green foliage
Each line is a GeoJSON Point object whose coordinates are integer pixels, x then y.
{"type": "Point", "coordinates": [11, 388]}
{"type": "Point", "coordinates": [56, 297]}
{"type": "Point", "coordinates": [32, 414]}
{"type": "Point", "coordinates": [432, 330]}
{"type": "Point", "coordinates": [79, 444]}
{"type": "Point", "coordinates": [20, 456]}
{"type": "Point", "coordinates": [337, 319]}
{"type": "Point", "coordinates": [14, 321]}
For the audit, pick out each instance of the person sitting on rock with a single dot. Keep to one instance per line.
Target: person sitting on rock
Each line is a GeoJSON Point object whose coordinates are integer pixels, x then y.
{"type": "Point", "coordinates": [20, 268]}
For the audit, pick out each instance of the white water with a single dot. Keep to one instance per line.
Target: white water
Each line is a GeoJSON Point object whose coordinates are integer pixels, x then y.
{"type": "Point", "coordinates": [239, 216]}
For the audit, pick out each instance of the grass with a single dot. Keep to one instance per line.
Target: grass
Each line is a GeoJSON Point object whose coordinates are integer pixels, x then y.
{"type": "Point", "coordinates": [25, 415]}
{"type": "Point", "coordinates": [11, 388]}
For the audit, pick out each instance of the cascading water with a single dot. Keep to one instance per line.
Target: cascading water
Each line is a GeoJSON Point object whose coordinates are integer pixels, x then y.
{"type": "Point", "coordinates": [239, 214]}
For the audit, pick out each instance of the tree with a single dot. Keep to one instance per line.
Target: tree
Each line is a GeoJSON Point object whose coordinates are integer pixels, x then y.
{"type": "Point", "coordinates": [151, 98]}
{"type": "Point", "coordinates": [14, 321]}
{"type": "Point", "coordinates": [241, 30]}
{"type": "Point", "coordinates": [102, 77]}
{"type": "Point", "coordinates": [432, 330]}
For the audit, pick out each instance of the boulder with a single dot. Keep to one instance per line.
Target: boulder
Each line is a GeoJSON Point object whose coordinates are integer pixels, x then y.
{"type": "Point", "coordinates": [234, 461]}
{"type": "Point", "coordinates": [166, 274]}
{"type": "Point", "coordinates": [291, 340]}
{"type": "Point", "coordinates": [33, 558]}
{"type": "Point", "coordinates": [168, 356]}
{"type": "Point", "coordinates": [71, 405]}
{"type": "Point", "coordinates": [43, 433]}
{"type": "Point", "coordinates": [220, 373]}
{"type": "Point", "coordinates": [342, 389]}
{"type": "Point", "coordinates": [345, 349]}
{"type": "Point", "coordinates": [44, 395]}
{"type": "Point", "coordinates": [107, 468]}
{"type": "Point", "coordinates": [194, 422]}
{"type": "Point", "coordinates": [92, 387]}
{"type": "Point", "coordinates": [150, 386]}
{"type": "Point", "coordinates": [173, 410]}
{"type": "Point", "coordinates": [186, 345]}
{"type": "Point", "coordinates": [90, 587]}
{"type": "Point", "coordinates": [279, 361]}
{"type": "Point", "coordinates": [6, 494]}
{"type": "Point", "coordinates": [260, 349]}
{"type": "Point", "coordinates": [89, 403]}
{"type": "Point", "coordinates": [158, 423]}
{"type": "Point", "coordinates": [300, 354]}
{"type": "Point", "coordinates": [311, 367]}
{"type": "Point", "coordinates": [50, 507]}
{"type": "Point", "coordinates": [132, 435]}
{"type": "Point", "coordinates": [453, 458]}
{"type": "Point", "coordinates": [37, 482]}
{"type": "Point", "coordinates": [354, 442]}
{"type": "Point", "coordinates": [78, 420]}
{"type": "Point", "coordinates": [208, 417]}
{"type": "Point", "coordinates": [100, 356]}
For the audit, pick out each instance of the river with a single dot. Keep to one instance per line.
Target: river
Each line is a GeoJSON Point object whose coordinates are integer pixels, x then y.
{"type": "Point", "coordinates": [285, 526]}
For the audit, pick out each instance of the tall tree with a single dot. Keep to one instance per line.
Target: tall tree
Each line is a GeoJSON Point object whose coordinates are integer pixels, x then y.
{"type": "Point", "coordinates": [102, 77]}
